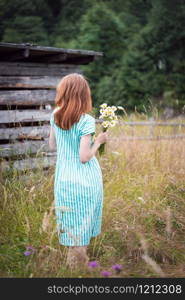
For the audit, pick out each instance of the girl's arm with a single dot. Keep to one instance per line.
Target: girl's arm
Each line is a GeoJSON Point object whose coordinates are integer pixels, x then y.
{"type": "Point", "coordinates": [86, 150]}
{"type": "Point", "coordinates": [52, 140]}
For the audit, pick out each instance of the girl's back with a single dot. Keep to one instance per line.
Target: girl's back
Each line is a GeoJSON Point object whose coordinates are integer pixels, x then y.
{"type": "Point", "coordinates": [68, 141]}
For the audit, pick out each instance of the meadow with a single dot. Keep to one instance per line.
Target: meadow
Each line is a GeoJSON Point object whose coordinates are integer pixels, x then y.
{"type": "Point", "coordinates": [143, 227]}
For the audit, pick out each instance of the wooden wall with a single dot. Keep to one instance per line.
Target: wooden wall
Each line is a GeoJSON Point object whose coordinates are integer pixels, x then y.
{"type": "Point", "coordinates": [27, 93]}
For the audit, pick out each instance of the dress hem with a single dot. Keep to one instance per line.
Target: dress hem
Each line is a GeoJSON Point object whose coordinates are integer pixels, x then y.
{"type": "Point", "coordinates": [81, 245]}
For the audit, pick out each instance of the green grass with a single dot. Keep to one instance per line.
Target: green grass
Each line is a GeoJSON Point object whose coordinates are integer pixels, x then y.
{"type": "Point", "coordinates": [143, 225]}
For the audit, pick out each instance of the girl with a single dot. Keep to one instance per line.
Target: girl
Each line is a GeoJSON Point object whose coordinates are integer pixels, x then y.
{"type": "Point", "coordinates": [78, 184]}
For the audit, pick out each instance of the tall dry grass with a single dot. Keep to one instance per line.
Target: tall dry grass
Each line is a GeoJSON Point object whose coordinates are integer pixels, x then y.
{"type": "Point", "coordinates": [143, 225]}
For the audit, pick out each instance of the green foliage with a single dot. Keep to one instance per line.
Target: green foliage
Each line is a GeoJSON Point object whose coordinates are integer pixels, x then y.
{"type": "Point", "coordinates": [101, 30]}
{"type": "Point", "coordinates": [26, 29]}
{"type": "Point", "coordinates": [142, 42]}
{"type": "Point", "coordinates": [69, 21]}
{"type": "Point", "coordinates": [155, 54]}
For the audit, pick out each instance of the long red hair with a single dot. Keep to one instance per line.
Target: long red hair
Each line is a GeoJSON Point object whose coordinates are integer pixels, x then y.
{"type": "Point", "coordinates": [73, 98]}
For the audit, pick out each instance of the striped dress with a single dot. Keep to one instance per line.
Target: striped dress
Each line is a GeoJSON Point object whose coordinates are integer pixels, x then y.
{"type": "Point", "coordinates": [78, 187]}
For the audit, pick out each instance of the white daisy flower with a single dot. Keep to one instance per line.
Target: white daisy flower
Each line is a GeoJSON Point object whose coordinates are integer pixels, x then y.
{"type": "Point", "coordinates": [105, 124]}
{"type": "Point", "coordinates": [110, 112]}
{"type": "Point", "coordinates": [104, 105]}
{"type": "Point", "coordinates": [105, 113]}
{"type": "Point", "coordinates": [112, 123]}
{"type": "Point", "coordinates": [114, 108]}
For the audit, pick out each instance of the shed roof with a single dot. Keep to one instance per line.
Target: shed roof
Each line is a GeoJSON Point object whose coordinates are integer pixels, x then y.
{"type": "Point", "coordinates": [33, 53]}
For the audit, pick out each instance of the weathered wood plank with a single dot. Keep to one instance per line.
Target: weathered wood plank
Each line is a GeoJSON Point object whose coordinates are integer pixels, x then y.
{"type": "Point", "coordinates": [37, 69]}
{"type": "Point", "coordinates": [49, 50]}
{"type": "Point", "coordinates": [18, 116]}
{"type": "Point", "coordinates": [30, 163]}
{"type": "Point", "coordinates": [41, 82]}
{"type": "Point", "coordinates": [27, 97]}
{"type": "Point", "coordinates": [25, 147]}
{"type": "Point", "coordinates": [26, 132]}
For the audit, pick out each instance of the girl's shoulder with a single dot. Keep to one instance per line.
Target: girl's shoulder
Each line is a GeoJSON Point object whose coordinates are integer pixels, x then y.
{"type": "Point", "coordinates": [87, 117]}
{"type": "Point", "coordinates": [86, 124]}
{"type": "Point", "coordinates": [90, 117]}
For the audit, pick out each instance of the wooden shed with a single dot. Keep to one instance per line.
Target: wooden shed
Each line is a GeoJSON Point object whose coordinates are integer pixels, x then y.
{"type": "Point", "coordinates": [28, 78]}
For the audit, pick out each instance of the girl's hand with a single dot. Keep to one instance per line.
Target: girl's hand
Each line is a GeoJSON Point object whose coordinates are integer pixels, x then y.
{"type": "Point", "coordinates": [102, 137]}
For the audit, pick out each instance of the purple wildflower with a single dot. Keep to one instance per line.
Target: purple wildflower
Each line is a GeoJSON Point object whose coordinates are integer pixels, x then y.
{"type": "Point", "coordinates": [117, 268]}
{"type": "Point", "coordinates": [93, 264]}
{"type": "Point", "coordinates": [28, 248]}
{"type": "Point", "coordinates": [27, 253]}
{"type": "Point", "coordinates": [106, 273]}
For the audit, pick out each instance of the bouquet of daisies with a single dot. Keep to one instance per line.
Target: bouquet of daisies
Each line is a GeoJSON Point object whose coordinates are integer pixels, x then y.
{"type": "Point", "coordinates": [109, 119]}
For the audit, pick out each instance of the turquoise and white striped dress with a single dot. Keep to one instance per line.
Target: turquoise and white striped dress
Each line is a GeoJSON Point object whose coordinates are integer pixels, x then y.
{"type": "Point", "coordinates": [78, 187]}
